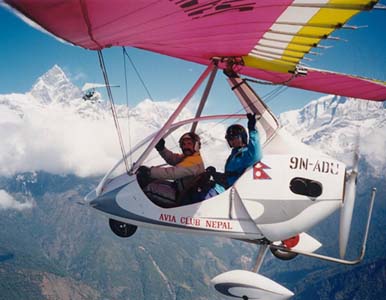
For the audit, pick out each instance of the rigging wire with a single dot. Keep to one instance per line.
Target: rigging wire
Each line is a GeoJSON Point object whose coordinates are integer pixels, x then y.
{"type": "Point", "coordinates": [144, 85]}
{"type": "Point", "coordinates": [272, 93]}
{"type": "Point", "coordinates": [138, 75]}
{"type": "Point", "coordinates": [127, 56]}
{"type": "Point", "coordinates": [294, 75]}
{"type": "Point", "coordinates": [269, 97]}
{"type": "Point", "coordinates": [127, 103]}
{"type": "Point", "coordinates": [113, 110]}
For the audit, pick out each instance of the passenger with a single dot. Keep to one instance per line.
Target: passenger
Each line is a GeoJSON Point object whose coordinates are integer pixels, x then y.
{"type": "Point", "coordinates": [244, 153]}
{"type": "Point", "coordinates": [184, 171]}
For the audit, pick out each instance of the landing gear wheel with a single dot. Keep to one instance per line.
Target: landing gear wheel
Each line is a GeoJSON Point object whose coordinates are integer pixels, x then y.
{"type": "Point", "coordinates": [121, 229]}
{"type": "Point", "coordinates": [283, 255]}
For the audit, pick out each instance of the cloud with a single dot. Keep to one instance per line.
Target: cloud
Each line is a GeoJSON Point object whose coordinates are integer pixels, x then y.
{"type": "Point", "coordinates": [57, 140]}
{"type": "Point", "coordinates": [8, 202]}
{"type": "Point", "coordinates": [372, 147]}
{"type": "Point", "coordinates": [79, 76]}
{"type": "Point", "coordinates": [80, 138]}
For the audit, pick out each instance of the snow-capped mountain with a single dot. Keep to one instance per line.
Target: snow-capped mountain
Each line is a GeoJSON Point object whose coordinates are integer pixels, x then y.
{"type": "Point", "coordinates": [54, 86]}
{"type": "Point", "coordinates": [338, 126]}
{"type": "Point", "coordinates": [51, 128]}
{"type": "Point", "coordinates": [52, 90]}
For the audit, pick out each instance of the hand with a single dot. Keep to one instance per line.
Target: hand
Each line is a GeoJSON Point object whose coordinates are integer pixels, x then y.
{"type": "Point", "coordinates": [211, 170]}
{"type": "Point", "coordinates": [143, 171]}
{"type": "Point", "coordinates": [251, 121]}
{"type": "Point", "coordinates": [160, 145]}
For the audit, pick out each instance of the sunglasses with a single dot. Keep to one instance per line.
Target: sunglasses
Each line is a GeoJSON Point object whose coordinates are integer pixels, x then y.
{"type": "Point", "coordinates": [233, 137]}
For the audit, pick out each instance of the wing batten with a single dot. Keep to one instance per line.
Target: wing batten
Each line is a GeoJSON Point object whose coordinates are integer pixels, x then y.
{"type": "Point", "coordinates": [307, 23]}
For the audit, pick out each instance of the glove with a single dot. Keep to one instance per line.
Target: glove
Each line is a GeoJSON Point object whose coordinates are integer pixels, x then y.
{"type": "Point", "coordinates": [143, 171]}
{"type": "Point", "coordinates": [211, 170]}
{"type": "Point", "coordinates": [251, 121]}
{"type": "Point", "coordinates": [160, 145]}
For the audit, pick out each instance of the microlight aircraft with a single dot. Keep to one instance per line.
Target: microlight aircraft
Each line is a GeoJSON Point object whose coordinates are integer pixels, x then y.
{"type": "Point", "coordinates": [90, 92]}
{"type": "Point", "coordinates": [276, 201]}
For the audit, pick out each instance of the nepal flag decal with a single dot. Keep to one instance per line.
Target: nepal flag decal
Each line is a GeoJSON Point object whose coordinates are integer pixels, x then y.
{"type": "Point", "coordinates": [258, 171]}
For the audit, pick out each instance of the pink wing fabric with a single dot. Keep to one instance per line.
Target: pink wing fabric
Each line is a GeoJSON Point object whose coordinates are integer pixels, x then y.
{"type": "Point", "coordinates": [194, 30]}
{"type": "Point", "coordinates": [175, 27]}
{"type": "Point", "coordinates": [326, 82]}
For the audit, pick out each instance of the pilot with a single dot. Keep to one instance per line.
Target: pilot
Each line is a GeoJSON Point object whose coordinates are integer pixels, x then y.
{"type": "Point", "coordinates": [244, 154]}
{"type": "Point", "coordinates": [184, 170]}
{"type": "Point", "coordinates": [88, 95]}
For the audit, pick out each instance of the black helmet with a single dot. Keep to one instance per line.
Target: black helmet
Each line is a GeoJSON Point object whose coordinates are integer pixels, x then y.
{"type": "Point", "coordinates": [237, 130]}
{"type": "Point", "coordinates": [191, 136]}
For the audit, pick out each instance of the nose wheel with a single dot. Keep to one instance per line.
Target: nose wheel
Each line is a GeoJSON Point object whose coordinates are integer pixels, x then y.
{"type": "Point", "coordinates": [121, 229]}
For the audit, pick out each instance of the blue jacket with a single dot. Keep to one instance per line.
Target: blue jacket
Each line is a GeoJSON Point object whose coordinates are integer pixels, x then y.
{"type": "Point", "coordinates": [242, 158]}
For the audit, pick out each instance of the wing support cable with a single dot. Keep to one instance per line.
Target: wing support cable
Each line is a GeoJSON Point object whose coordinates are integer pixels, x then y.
{"type": "Point", "coordinates": [127, 100]}
{"type": "Point", "coordinates": [112, 106]}
{"type": "Point", "coordinates": [272, 83]}
{"type": "Point", "coordinates": [172, 118]}
{"type": "Point", "coordinates": [274, 93]}
{"type": "Point", "coordinates": [138, 75]}
{"type": "Point", "coordinates": [143, 84]}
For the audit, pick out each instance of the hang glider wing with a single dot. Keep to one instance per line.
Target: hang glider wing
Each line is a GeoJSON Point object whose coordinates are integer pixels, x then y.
{"type": "Point", "coordinates": [271, 36]}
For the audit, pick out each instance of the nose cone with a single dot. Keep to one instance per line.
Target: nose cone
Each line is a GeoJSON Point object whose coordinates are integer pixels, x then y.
{"type": "Point", "coordinates": [106, 202]}
{"type": "Point", "coordinates": [95, 201]}
{"type": "Point", "coordinates": [90, 197]}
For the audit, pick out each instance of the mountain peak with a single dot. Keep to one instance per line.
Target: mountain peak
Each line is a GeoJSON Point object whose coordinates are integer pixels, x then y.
{"type": "Point", "coordinates": [56, 71]}
{"type": "Point", "coordinates": [333, 124]}
{"type": "Point", "coordinates": [330, 109]}
{"type": "Point", "coordinates": [54, 86]}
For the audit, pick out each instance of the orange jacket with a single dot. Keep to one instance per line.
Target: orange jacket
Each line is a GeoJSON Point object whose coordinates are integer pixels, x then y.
{"type": "Point", "coordinates": [184, 168]}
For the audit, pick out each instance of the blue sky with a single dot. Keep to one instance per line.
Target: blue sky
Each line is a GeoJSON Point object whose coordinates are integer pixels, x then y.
{"type": "Point", "coordinates": [27, 53]}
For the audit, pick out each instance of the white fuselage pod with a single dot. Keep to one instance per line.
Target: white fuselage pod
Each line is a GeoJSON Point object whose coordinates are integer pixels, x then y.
{"type": "Point", "coordinates": [288, 194]}
{"type": "Point", "coordinates": [264, 202]}
{"type": "Point", "coordinates": [241, 284]}
{"type": "Point", "coordinates": [123, 199]}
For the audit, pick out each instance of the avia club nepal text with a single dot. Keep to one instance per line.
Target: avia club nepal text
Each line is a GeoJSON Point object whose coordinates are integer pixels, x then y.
{"type": "Point", "coordinates": [196, 222]}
